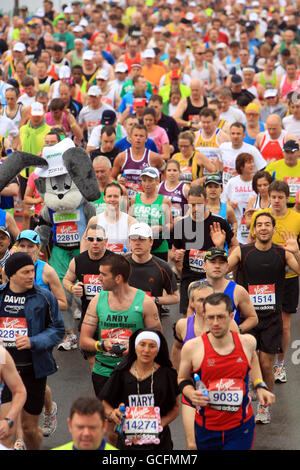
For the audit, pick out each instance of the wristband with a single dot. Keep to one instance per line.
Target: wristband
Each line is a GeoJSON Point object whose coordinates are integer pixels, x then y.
{"type": "Point", "coordinates": [184, 383]}
{"type": "Point", "coordinates": [71, 288]}
{"type": "Point", "coordinates": [73, 125]}
{"type": "Point", "coordinates": [257, 381]}
{"type": "Point", "coordinates": [99, 346]}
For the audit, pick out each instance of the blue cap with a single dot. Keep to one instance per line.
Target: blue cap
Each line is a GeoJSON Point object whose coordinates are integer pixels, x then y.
{"type": "Point", "coordinates": [30, 235]}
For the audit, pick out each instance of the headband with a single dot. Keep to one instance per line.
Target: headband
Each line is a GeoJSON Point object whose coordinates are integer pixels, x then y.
{"type": "Point", "coordinates": [147, 335]}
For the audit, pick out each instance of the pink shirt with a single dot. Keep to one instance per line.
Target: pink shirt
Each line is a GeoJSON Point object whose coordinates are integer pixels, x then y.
{"type": "Point", "coordinates": [160, 137]}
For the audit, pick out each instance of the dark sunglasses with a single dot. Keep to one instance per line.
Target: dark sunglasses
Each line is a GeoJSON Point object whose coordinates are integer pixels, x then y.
{"type": "Point", "coordinates": [97, 239]}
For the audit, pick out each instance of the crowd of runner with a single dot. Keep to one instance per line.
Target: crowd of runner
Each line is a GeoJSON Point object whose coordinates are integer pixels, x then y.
{"type": "Point", "coordinates": [189, 114]}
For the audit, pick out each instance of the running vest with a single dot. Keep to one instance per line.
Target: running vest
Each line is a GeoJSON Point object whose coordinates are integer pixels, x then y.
{"type": "Point", "coordinates": [68, 228]}
{"type": "Point", "coordinates": [117, 233]}
{"type": "Point", "coordinates": [131, 171]}
{"type": "Point", "coordinates": [229, 290]}
{"type": "Point", "coordinates": [176, 196]}
{"type": "Point", "coordinates": [286, 87]}
{"type": "Point", "coordinates": [192, 112]}
{"type": "Point", "coordinates": [189, 168]}
{"type": "Point", "coordinates": [265, 285]}
{"type": "Point", "coordinates": [209, 147]}
{"type": "Point", "coordinates": [87, 272]}
{"type": "Point", "coordinates": [128, 61]}
{"type": "Point", "coordinates": [45, 85]}
{"type": "Point", "coordinates": [266, 82]}
{"type": "Point", "coordinates": [151, 214]}
{"type": "Point", "coordinates": [70, 446]}
{"type": "Point", "coordinates": [116, 326]}
{"type": "Point", "coordinates": [227, 380]}
{"type": "Point", "coordinates": [190, 330]}
{"type": "Point", "coordinates": [272, 150]}
{"type": "Point", "coordinates": [38, 278]}
{"type": "Point", "coordinates": [17, 117]}
{"type": "Point", "coordinates": [250, 140]}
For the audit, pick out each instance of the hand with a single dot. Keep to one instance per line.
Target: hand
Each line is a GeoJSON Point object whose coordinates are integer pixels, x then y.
{"type": "Point", "coordinates": [265, 397]}
{"type": "Point", "coordinates": [178, 255]}
{"type": "Point", "coordinates": [116, 415]}
{"type": "Point", "coordinates": [198, 398]}
{"type": "Point", "coordinates": [77, 289]}
{"type": "Point", "coordinates": [291, 243]}
{"type": "Point", "coordinates": [22, 342]}
{"type": "Point", "coordinates": [233, 204]}
{"type": "Point", "coordinates": [217, 235]}
{"type": "Point", "coordinates": [4, 428]}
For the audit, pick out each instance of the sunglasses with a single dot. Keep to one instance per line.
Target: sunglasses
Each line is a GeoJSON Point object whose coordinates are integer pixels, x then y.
{"type": "Point", "coordinates": [97, 239]}
{"type": "Point", "coordinates": [138, 237]}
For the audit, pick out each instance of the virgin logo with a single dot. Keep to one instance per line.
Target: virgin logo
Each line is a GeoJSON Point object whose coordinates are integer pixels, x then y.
{"type": "Point", "coordinates": [68, 229]}
{"type": "Point", "coordinates": [293, 180]}
{"type": "Point", "coordinates": [260, 290]}
{"type": "Point", "coordinates": [94, 279]}
{"type": "Point", "coordinates": [225, 385]}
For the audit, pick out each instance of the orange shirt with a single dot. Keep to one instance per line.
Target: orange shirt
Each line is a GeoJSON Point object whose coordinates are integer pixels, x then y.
{"type": "Point", "coordinates": [153, 75]}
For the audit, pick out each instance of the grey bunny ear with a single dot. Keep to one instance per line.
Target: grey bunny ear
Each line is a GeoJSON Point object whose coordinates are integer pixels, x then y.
{"type": "Point", "coordinates": [15, 163]}
{"type": "Point", "coordinates": [80, 168]}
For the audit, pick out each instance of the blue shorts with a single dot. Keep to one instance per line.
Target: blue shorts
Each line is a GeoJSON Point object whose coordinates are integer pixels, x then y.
{"type": "Point", "coordinates": [240, 438]}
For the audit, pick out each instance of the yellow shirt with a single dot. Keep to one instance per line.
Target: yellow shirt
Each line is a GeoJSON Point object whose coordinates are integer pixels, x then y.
{"type": "Point", "coordinates": [190, 170]}
{"type": "Point", "coordinates": [288, 222]}
{"type": "Point", "coordinates": [279, 170]}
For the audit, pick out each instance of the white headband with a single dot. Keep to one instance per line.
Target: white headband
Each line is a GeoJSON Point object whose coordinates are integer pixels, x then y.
{"type": "Point", "coordinates": [147, 335]}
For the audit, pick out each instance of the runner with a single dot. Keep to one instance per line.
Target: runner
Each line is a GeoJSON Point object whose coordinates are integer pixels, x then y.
{"type": "Point", "coordinates": [220, 425]}
{"type": "Point", "coordinates": [261, 270]}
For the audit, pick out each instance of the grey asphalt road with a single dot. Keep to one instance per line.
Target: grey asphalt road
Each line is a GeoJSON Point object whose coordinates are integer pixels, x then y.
{"type": "Point", "coordinates": [73, 379]}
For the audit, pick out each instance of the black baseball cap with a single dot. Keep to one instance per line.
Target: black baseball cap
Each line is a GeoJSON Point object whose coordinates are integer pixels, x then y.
{"type": "Point", "coordinates": [236, 79]}
{"type": "Point", "coordinates": [291, 146]}
{"type": "Point", "coordinates": [217, 179]}
{"type": "Point", "coordinates": [108, 117]}
{"type": "Point", "coordinates": [214, 252]}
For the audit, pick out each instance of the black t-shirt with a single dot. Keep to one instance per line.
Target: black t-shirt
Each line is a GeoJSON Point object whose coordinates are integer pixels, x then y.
{"type": "Point", "coordinates": [152, 277]}
{"type": "Point", "coordinates": [122, 388]}
{"type": "Point", "coordinates": [87, 272]}
{"type": "Point", "coordinates": [110, 155]}
{"type": "Point", "coordinates": [13, 321]}
{"type": "Point", "coordinates": [187, 232]}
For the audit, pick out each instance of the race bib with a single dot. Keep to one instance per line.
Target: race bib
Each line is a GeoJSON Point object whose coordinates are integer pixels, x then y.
{"type": "Point", "coordinates": [196, 259]}
{"type": "Point", "coordinates": [186, 174]}
{"type": "Point", "coordinates": [67, 233]}
{"type": "Point", "coordinates": [226, 394]}
{"type": "Point", "coordinates": [263, 296]}
{"type": "Point", "coordinates": [117, 248]}
{"type": "Point", "coordinates": [92, 285]}
{"type": "Point", "coordinates": [133, 188]}
{"type": "Point", "coordinates": [142, 425]}
{"type": "Point", "coordinates": [228, 173]}
{"type": "Point", "coordinates": [117, 335]}
{"type": "Point", "coordinates": [9, 327]}
{"type": "Point", "coordinates": [293, 183]}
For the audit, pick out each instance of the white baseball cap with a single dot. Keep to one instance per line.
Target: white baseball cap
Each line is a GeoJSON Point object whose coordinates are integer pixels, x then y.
{"type": "Point", "coordinates": [150, 171]}
{"type": "Point", "coordinates": [270, 93]}
{"type": "Point", "coordinates": [102, 74]}
{"type": "Point", "coordinates": [149, 54]}
{"type": "Point", "coordinates": [94, 91]}
{"type": "Point", "coordinates": [19, 47]}
{"type": "Point", "coordinates": [140, 230]}
{"type": "Point", "coordinates": [37, 109]}
{"type": "Point", "coordinates": [121, 67]}
{"type": "Point", "coordinates": [88, 55]}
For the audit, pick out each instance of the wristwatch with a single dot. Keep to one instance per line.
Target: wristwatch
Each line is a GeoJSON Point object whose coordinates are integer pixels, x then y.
{"type": "Point", "coordinates": [261, 385]}
{"type": "Point", "coordinates": [10, 422]}
{"type": "Point", "coordinates": [156, 300]}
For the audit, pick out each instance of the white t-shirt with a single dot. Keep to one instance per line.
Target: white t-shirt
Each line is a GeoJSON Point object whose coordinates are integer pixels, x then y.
{"type": "Point", "coordinates": [233, 115]}
{"type": "Point", "coordinates": [26, 100]}
{"type": "Point", "coordinates": [92, 117]}
{"type": "Point", "coordinates": [237, 190]}
{"type": "Point", "coordinates": [228, 157]}
{"type": "Point", "coordinates": [8, 127]}
{"type": "Point", "coordinates": [291, 125]}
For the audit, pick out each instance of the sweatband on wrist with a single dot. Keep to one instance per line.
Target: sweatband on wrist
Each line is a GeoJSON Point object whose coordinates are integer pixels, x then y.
{"type": "Point", "coordinates": [184, 383]}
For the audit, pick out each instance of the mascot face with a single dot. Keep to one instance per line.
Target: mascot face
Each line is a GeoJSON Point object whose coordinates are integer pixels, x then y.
{"type": "Point", "coordinates": [61, 194]}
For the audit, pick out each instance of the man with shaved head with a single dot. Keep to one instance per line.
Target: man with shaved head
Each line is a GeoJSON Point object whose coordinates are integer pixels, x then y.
{"type": "Point", "coordinates": [187, 114]}
{"type": "Point", "coordinates": [270, 142]}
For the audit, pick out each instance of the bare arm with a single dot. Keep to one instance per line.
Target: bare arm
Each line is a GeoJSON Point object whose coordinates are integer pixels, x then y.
{"type": "Point", "coordinates": [151, 317]}
{"type": "Point", "coordinates": [51, 278]}
{"type": "Point", "coordinates": [247, 309]}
